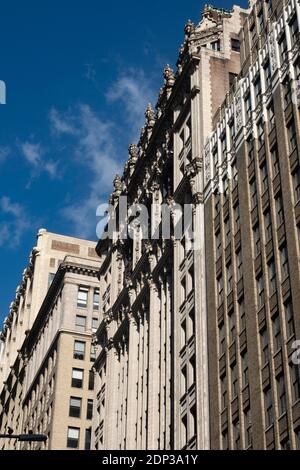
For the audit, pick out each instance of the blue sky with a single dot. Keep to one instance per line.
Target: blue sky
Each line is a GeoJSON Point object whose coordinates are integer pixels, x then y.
{"type": "Point", "coordinates": [79, 75]}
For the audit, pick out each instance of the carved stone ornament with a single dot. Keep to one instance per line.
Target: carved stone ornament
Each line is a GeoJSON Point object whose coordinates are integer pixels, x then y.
{"type": "Point", "coordinates": [150, 116]}
{"type": "Point", "coordinates": [169, 76]}
{"type": "Point", "coordinates": [272, 52]}
{"type": "Point", "coordinates": [189, 28]}
{"type": "Point", "coordinates": [133, 153]}
{"type": "Point", "coordinates": [117, 185]}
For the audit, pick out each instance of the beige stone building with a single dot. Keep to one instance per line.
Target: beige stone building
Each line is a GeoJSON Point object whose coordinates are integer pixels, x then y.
{"type": "Point", "coordinates": [196, 344]}
{"type": "Point", "coordinates": [46, 383]}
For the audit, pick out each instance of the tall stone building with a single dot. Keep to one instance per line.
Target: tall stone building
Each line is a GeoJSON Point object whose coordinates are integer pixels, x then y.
{"type": "Point", "coordinates": [152, 371]}
{"type": "Point", "coordinates": [196, 340]}
{"type": "Point", "coordinates": [46, 382]}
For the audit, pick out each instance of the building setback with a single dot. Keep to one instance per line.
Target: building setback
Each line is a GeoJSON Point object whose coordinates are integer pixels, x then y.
{"type": "Point", "coordinates": [196, 346]}
{"type": "Point", "coordinates": [46, 349]}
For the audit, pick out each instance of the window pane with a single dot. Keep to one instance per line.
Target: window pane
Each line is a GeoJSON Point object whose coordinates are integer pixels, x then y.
{"type": "Point", "coordinates": [77, 378]}
{"type": "Point", "coordinates": [79, 350]}
{"type": "Point", "coordinates": [73, 438]}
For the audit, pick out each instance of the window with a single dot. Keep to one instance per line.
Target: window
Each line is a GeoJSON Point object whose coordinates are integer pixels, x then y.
{"type": "Point", "coordinates": [248, 428]}
{"type": "Point", "coordinates": [227, 230]}
{"type": "Point", "coordinates": [264, 341]}
{"type": "Point", "coordinates": [248, 106]}
{"type": "Point", "coordinates": [269, 416]}
{"type": "Point", "coordinates": [245, 369]}
{"type": "Point", "coordinates": [229, 278]}
{"type": "Point", "coordinates": [215, 160]}
{"type": "Point", "coordinates": [272, 278]}
{"type": "Point", "coordinates": [253, 193]}
{"type": "Point", "coordinates": [50, 279]}
{"type": "Point", "coordinates": [88, 436]}
{"type": "Point", "coordinates": [79, 350]}
{"type": "Point", "coordinates": [94, 325]}
{"type": "Point", "coordinates": [89, 410]}
{"type": "Point", "coordinates": [216, 45]}
{"type": "Point", "coordinates": [268, 226]}
{"type": "Point", "coordinates": [268, 74]}
{"type": "Point", "coordinates": [237, 219]}
{"type": "Point", "coordinates": [242, 315]}
{"type": "Point", "coordinates": [295, 378]}
{"type": "Point", "coordinates": [234, 381]}
{"type": "Point", "coordinates": [218, 245]}
{"type": "Point", "coordinates": [236, 436]}
{"type": "Point", "coordinates": [261, 21]}
{"type": "Point", "coordinates": [264, 177]}
{"type": "Point", "coordinates": [271, 116]}
{"type": "Point", "coordinates": [277, 337]}
{"type": "Point", "coordinates": [221, 339]}
{"type": "Point", "coordinates": [82, 297]}
{"type": "Point", "coordinates": [287, 91]}
{"type": "Point", "coordinates": [294, 26]}
{"type": "Point", "coordinates": [232, 327]}
{"type": "Point", "coordinates": [75, 407]}
{"type": "Point", "coordinates": [275, 160]}
{"type": "Point", "coordinates": [77, 378]}
{"type": "Point", "coordinates": [289, 318]}
{"type": "Point", "coordinates": [283, 48]}
{"type": "Point", "coordinates": [235, 45]}
{"type": "Point", "coordinates": [260, 133]}
{"type": "Point", "coordinates": [93, 353]}
{"type": "Point", "coordinates": [279, 210]}
{"type": "Point", "coordinates": [256, 237]}
{"type": "Point", "coordinates": [251, 148]}
{"type": "Point", "coordinates": [292, 135]}
{"type": "Point", "coordinates": [284, 262]}
{"type": "Point", "coordinates": [223, 393]}
{"type": "Point", "coordinates": [239, 265]}
{"type": "Point", "coordinates": [96, 299]}
{"type": "Point", "coordinates": [296, 184]}
{"type": "Point", "coordinates": [260, 291]}
{"type": "Point", "coordinates": [91, 380]}
{"type": "Point", "coordinates": [225, 187]}
{"type": "Point", "coordinates": [257, 89]}
{"type": "Point", "coordinates": [253, 34]}
{"type": "Point", "coordinates": [73, 438]}
{"type": "Point", "coordinates": [220, 291]}
{"type": "Point", "coordinates": [225, 443]}
{"type": "Point", "coordinates": [80, 323]}
{"type": "Point", "coordinates": [223, 146]}
{"type": "Point", "coordinates": [281, 395]}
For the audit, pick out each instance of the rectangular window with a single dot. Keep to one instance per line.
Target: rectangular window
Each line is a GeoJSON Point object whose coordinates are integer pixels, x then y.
{"type": "Point", "coordinates": [281, 395]}
{"type": "Point", "coordinates": [256, 237]}
{"type": "Point", "coordinates": [279, 210]}
{"type": "Point", "coordinates": [242, 315]}
{"type": "Point", "coordinates": [261, 21]}
{"type": "Point", "coordinates": [216, 45]}
{"type": "Point", "coordinates": [271, 116]}
{"type": "Point", "coordinates": [93, 353]}
{"type": "Point", "coordinates": [296, 185]}
{"type": "Point", "coordinates": [95, 324]}
{"type": "Point", "coordinates": [223, 393]}
{"type": "Point", "coordinates": [251, 149]}
{"type": "Point", "coordinates": [79, 350]}
{"type": "Point", "coordinates": [91, 380]}
{"type": "Point", "coordinates": [260, 133]}
{"type": "Point", "coordinates": [237, 218]}
{"type": "Point", "coordinates": [260, 291]}
{"type": "Point", "coordinates": [268, 74]}
{"type": "Point", "coordinates": [283, 48]}
{"type": "Point", "coordinates": [292, 136]}
{"type": "Point", "coordinates": [227, 231]}
{"type": "Point", "coordinates": [75, 407]}
{"type": "Point", "coordinates": [268, 226]}
{"type": "Point", "coordinates": [295, 378]}
{"type": "Point", "coordinates": [235, 45]}
{"type": "Point", "coordinates": [264, 177]}
{"type": "Point", "coordinates": [272, 278]}
{"type": "Point", "coordinates": [220, 291]}
{"type": "Point", "coordinates": [257, 89]}
{"type": "Point", "coordinates": [289, 318]}
{"type": "Point", "coordinates": [77, 378]}
{"type": "Point", "coordinates": [222, 339]}
{"type": "Point", "coordinates": [82, 297]}
{"type": "Point", "coordinates": [239, 262]}
{"type": "Point", "coordinates": [269, 416]}
{"type": "Point", "coordinates": [284, 262]}
{"type": "Point", "coordinates": [73, 438]}
{"type": "Point", "coordinates": [248, 108]}
{"type": "Point", "coordinates": [234, 381]}
{"type": "Point", "coordinates": [80, 323]}
{"type": "Point", "coordinates": [89, 410]}
{"type": "Point", "coordinates": [88, 437]}
{"type": "Point", "coordinates": [96, 299]}
{"type": "Point", "coordinates": [248, 427]}
{"type": "Point", "coordinates": [264, 340]}
{"type": "Point", "coordinates": [287, 92]}
{"type": "Point", "coordinates": [232, 328]}
{"type": "Point", "coordinates": [253, 192]}
{"type": "Point", "coordinates": [245, 369]}
{"type": "Point", "coordinates": [275, 160]}
{"type": "Point", "coordinates": [236, 436]}
{"type": "Point", "coordinates": [277, 336]}
{"type": "Point", "coordinates": [229, 278]}
{"type": "Point", "coordinates": [218, 245]}
{"type": "Point", "coordinates": [294, 27]}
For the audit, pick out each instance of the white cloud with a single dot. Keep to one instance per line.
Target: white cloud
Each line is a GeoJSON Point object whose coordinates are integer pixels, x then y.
{"type": "Point", "coordinates": [14, 222]}
{"type": "Point", "coordinates": [133, 91]}
{"type": "Point", "coordinates": [4, 153]}
{"type": "Point", "coordinates": [61, 124]}
{"type": "Point", "coordinates": [34, 154]}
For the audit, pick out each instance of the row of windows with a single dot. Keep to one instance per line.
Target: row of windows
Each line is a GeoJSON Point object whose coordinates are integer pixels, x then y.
{"type": "Point", "coordinates": [236, 433]}
{"type": "Point", "coordinates": [81, 324]}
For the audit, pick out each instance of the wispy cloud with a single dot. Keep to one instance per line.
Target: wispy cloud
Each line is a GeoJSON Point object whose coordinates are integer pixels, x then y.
{"type": "Point", "coordinates": [35, 155]}
{"type": "Point", "coordinates": [132, 91]}
{"type": "Point", "coordinates": [13, 222]}
{"type": "Point", "coordinates": [101, 145]}
{"type": "Point", "coordinates": [4, 153]}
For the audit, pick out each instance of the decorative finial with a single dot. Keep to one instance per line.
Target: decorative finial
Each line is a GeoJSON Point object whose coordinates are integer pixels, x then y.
{"type": "Point", "coordinates": [189, 28]}
{"type": "Point", "coordinates": [169, 76]}
{"type": "Point", "coordinates": [117, 185]}
{"type": "Point", "coordinates": [150, 116]}
{"type": "Point", "coordinates": [133, 153]}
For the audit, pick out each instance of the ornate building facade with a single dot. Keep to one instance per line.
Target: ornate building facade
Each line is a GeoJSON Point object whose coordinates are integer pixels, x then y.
{"type": "Point", "coordinates": [46, 382]}
{"type": "Point", "coordinates": [152, 374]}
